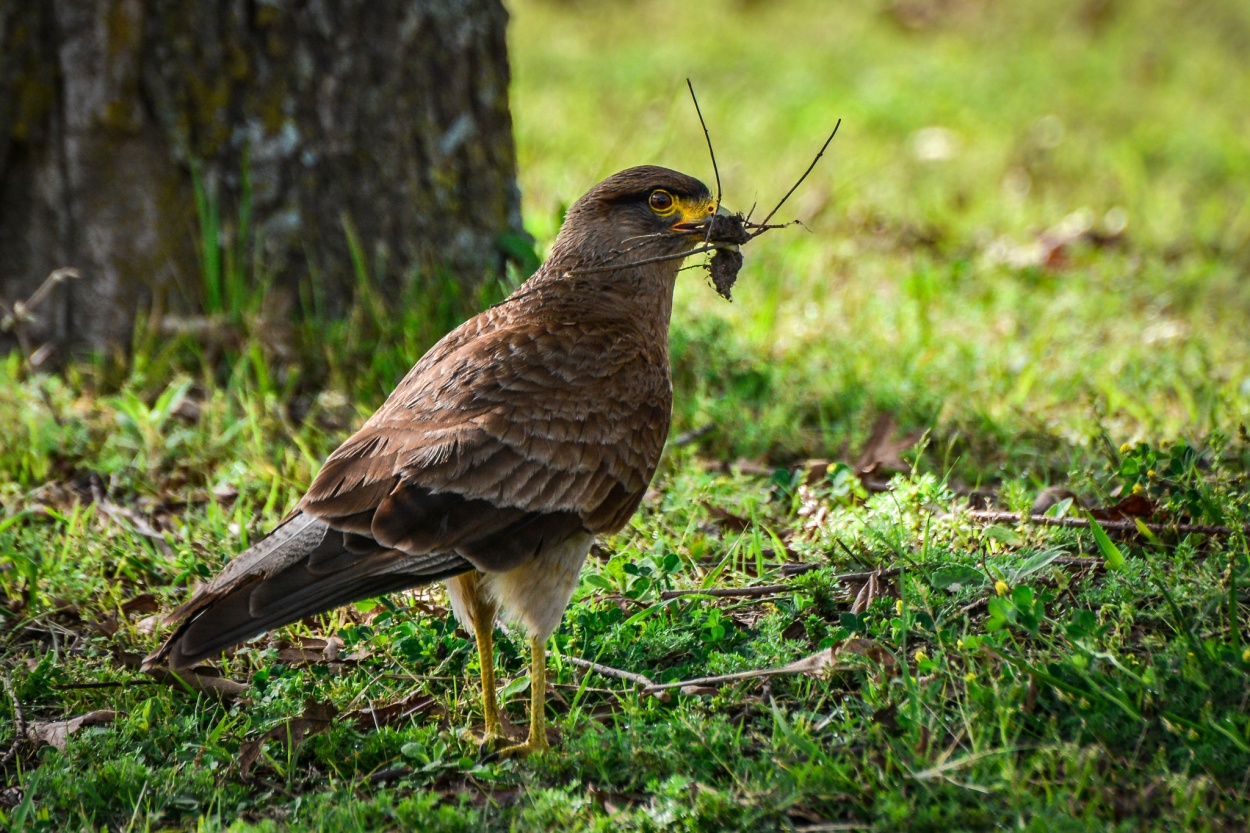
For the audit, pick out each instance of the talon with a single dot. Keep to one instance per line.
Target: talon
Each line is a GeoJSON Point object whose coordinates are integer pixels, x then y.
{"type": "Point", "coordinates": [524, 750]}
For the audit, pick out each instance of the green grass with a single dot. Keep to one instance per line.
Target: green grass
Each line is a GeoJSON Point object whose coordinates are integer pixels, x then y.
{"type": "Point", "coordinates": [1032, 678]}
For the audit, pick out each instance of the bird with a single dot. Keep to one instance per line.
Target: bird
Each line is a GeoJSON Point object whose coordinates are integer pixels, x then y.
{"type": "Point", "coordinates": [516, 440]}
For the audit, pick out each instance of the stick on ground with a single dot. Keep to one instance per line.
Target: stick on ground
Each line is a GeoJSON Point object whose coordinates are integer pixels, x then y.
{"type": "Point", "coordinates": [991, 516]}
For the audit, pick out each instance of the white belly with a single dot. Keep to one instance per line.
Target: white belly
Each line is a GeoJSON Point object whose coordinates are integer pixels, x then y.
{"type": "Point", "coordinates": [533, 595]}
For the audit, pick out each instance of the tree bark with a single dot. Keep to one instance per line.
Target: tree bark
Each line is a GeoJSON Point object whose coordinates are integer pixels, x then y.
{"type": "Point", "coordinates": [304, 124]}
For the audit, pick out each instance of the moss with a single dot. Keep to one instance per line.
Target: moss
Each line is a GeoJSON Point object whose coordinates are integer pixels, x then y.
{"type": "Point", "coordinates": [266, 16]}
{"type": "Point", "coordinates": [238, 66]}
{"type": "Point", "coordinates": [120, 115]}
{"type": "Point", "coordinates": [35, 98]}
{"type": "Point", "coordinates": [124, 33]}
{"type": "Point", "coordinates": [33, 91]}
{"type": "Point", "coordinates": [208, 99]}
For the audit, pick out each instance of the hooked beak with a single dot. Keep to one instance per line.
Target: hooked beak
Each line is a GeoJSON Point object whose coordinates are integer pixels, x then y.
{"type": "Point", "coordinates": [697, 222]}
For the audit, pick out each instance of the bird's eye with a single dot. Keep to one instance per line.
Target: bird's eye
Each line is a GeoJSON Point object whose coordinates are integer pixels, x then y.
{"type": "Point", "coordinates": [661, 202]}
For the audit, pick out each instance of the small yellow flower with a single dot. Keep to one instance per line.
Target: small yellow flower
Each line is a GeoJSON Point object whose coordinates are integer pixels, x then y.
{"type": "Point", "coordinates": [959, 643]}
{"type": "Point", "coordinates": [1126, 448]}
{"type": "Point", "coordinates": [898, 606]}
{"type": "Point", "coordinates": [969, 677]}
{"type": "Point", "coordinates": [920, 655]}
{"type": "Point", "coordinates": [1001, 588]}
{"type": "Point", "coordinates": [1138, 488]}
{"type": "Point", "coordinates": [1245, 655]}
{"type": "Point", "coordinates": [1152, 474]}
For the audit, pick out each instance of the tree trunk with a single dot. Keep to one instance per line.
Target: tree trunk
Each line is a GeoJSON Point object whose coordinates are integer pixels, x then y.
{"type": "Point", "coordinates": [300, 124]}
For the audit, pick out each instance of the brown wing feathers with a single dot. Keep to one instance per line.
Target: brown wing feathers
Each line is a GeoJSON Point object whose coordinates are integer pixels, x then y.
{"type": "Point", "coordinates": [303, 567]}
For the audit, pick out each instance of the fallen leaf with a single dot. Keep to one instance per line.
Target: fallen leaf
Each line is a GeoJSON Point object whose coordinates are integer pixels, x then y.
{"type": "Point", "coordinates": [698, 690]}
{"type": "Point", "coordinates": [758, 467]}
{"type": "Point", "coordinates": [309, 649]}
{"type": "Point", "coordinates": [873, 587]}
{"type": "Point", "coordinates": [145, 603]}
{"type": "Point", "coordinates": [148, 624]}
{"type": "Point", "coordinates": [979, 498]}
{"type": "Point", "coordinates": [728, 520]}
{"type": "Point", "coordinates": [223, 688]}
{"type": "Point", "coordinates": [795, 630]}
{"type": "Point", "coordinates": [814, 471]}
{"type": "Point", "coordinates": [376, 717]}
{"type": "Point", "coordinates": [1133, 506]}
{"type": "Point", "coordinates": [316, 718]}
{"type": "Point", "coordinates": [883, 452]}
{"type": "Point", "coordinates": [867, 592]}
{"type": "Point", "coordinates": [56, 732]}
{"type": "Point", "coordinates": [1053, 496]}
{"type": "Point", "coordinates": [225, 494]}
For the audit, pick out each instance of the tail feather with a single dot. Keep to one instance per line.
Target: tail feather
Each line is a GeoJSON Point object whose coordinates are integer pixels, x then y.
{"type": "Point", "coordinates": [303, 568]}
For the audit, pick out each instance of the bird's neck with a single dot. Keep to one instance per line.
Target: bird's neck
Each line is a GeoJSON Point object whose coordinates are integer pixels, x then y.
{"type": "Point", "coordinates": [641, 296]}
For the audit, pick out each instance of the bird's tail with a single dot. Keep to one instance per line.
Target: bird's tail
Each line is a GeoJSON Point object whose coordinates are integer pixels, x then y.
{"type": "Point", "coordinates": [302, 568]}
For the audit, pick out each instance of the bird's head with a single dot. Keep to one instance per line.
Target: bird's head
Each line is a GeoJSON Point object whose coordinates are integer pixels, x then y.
{"type": "Point", "coordinates": [638, 214]}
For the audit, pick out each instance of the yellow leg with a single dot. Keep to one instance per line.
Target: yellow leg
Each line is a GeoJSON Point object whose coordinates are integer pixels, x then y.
{"type": "Point", "coordinates": [537, 741]}
{"type": "Point", "coordinates": [484, 631]}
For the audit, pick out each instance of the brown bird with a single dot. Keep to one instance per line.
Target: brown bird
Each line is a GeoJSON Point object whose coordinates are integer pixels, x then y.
{"type": "Point", "coordinates": [519, 437]}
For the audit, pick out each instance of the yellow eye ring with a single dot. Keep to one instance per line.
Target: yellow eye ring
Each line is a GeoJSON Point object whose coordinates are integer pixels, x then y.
{"type": "Point", "coordinates": [662, 202]}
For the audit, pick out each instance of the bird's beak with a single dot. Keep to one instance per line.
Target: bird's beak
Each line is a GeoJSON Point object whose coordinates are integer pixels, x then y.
{"type": "Point", "coordinates": [695, 218]}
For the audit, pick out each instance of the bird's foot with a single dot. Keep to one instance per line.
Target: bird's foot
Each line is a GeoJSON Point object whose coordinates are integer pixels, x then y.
{"type": "Point", "coordinates": [524, 750]}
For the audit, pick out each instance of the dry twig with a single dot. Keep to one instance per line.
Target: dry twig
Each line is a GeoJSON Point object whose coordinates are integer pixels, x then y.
{"type": "Point", "coordinates": [796, 185]}
{"type": "Point", "coordinates": [19, 721]}
{"type": "Point", "coordinates": [736, 592]}
{"type": "Point", "coordinates": [990, 516]}
{"type": "Point", "coordinates": [605, 670]}
{"type": "Point", "coordinates": [708, 136]}
{"type": "Point", "coordinates": [16, 317]}
{"type": "Point", "coordinates": [816, 664]}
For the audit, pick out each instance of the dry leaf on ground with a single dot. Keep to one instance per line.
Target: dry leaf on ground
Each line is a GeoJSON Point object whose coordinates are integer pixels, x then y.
{"type": "Point", "coordinates": [1133, 506]}
{"type": "Point", "coordinates": [883, 452]}
{"type": "Point", "coordinates": [376, 717]}
{"type": "Point", "coordinates": [56, 732]}
{"type": "Point", "coordinates": [316, 718]}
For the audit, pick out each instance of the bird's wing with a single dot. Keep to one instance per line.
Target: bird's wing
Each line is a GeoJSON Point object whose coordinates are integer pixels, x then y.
{"type": "Point", "coordinates": [302, 568]}
{"type": "Point", "coordinates": [503, 442]}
